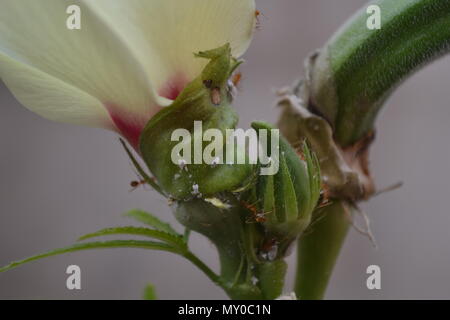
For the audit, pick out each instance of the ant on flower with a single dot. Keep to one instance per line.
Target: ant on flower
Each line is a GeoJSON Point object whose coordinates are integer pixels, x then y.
{"type": "Point", "coordinates": [256, 216]}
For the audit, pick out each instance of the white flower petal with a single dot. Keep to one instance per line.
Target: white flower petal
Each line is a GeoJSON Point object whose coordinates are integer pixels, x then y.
{"type": "Point", "coordinates": [130, 57]}
{"type": "Point", "coordinates": [93, 60]}
{"type": "Point", "coordinates": [50, 97]}
{"type": "Point", "coordinates": [164, 34]}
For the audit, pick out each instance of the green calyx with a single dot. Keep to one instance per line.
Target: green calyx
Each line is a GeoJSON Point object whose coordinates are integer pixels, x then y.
{"type": "Point", "coordinates": [204, 104]}
{"type": "Point", "coordinates": [210, 197]}
{"type": "Point", "coordinates": [289, 197]}
{"type": "Point", "coordinates": [224, 201]}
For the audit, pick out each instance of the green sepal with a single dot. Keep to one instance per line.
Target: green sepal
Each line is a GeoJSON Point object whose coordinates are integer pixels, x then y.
{"type": "Point", "coordinates": [290, 196]}
{"type": "Point", "coordinates": [265, 191]}
{"type": "Point", "coordinates": [205, 99]}
{"type": "Point", "coordinates": [286, 207]}
{"type": "Point", "coordinates": [271, 278]}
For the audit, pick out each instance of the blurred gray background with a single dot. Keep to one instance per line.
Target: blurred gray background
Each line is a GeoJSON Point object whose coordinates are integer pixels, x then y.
{"type": "Point", "coordinates": [58, 182]}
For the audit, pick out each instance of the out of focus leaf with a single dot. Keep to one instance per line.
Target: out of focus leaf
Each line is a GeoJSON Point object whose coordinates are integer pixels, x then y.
{"type": "Point", "coordinates": [151, 220]}
{"type": "Point", "coordinates": [168, 238]}
{"type": "Point", "coordinates": [150, 292]}
{"type": "Point", "coordinates": [151, 245]}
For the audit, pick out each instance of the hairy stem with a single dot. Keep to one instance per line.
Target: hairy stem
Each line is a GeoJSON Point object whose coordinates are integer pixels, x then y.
{"type": "Point", "coordinates": [225, 229]}
{"type": "Point", "coordinates": [359, 68]}
{"type": "Point", "coordinates": [349, 81]}
{"type": "Point", "coordinates": [318, 250]}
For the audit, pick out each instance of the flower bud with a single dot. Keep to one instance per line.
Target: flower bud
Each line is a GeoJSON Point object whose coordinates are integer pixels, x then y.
{"type": "Point", "coordinates": [289, 197]}
{"type": "Point", "coordinates": [204, 101]}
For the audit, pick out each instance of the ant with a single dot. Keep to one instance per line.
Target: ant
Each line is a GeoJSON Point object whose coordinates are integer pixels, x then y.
{"type": "Point", "coordinates": [136, 184]}
{"type": "Point", "coordinates": [324, 198]}
{"type": "Point", "coordinates": [140, 182]}
{"type": "Point", "coordinates": [269, 249]}
{"type": "Point", "coordinates": [268, 244]}
{"type": "Point", "coordinates": [256, 216]}
{"type": "Point", "coordinates": [258, 14]}
{"type": "Point", "coordinates": [233, 83]}
{"type": "Point", "coordinates": [236, 79]}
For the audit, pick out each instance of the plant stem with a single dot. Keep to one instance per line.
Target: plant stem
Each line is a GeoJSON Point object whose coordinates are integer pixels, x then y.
{"type": "Point", "coordinates": [358, 68]}
{"type": "Point", "coordinates": [225, 230]}
{"type": "Point", "coordinates": [203, 267]}
{"type": "Point", "coordinates": [350, 79]}
{"type": "Point", "coordinates": [318, 250]}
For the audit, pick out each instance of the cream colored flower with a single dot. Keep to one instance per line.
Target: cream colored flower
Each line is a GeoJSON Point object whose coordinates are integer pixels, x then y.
{"type": "Point", "coordinates": [129, 59]}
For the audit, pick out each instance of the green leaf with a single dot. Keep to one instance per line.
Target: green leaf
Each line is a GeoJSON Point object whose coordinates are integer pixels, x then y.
{"type": "Point", "coordinates": [175, 245]}
{"type": "Point", "coordinates": [151, 220]}
{"type": "Point", "coordinates": [170, 239]}
{"type": "Point", "coordinates": [150, 292]}
{"type": "Point", "coordinates": [186, 235]}
{"type": "Point", "coordinates": [151, 245]}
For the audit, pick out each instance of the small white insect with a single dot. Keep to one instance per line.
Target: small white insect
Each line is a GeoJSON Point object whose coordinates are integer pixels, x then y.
{"type": "Point", "coordinates": [215, 162]}
{"type": "Point", "coordinates": [272, 254]}
{"type": "Point", "coordinates": [195, 191]}
{"type": "Point", "coordinates": [182, 164]}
